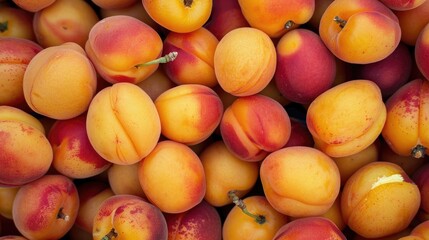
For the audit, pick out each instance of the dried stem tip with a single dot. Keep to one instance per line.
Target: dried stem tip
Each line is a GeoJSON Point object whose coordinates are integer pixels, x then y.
{"type": "Point", "coordinates": [289, 24]}
{"type": "Point", "coordinates": [340, 21]}
{"type": "Point", "coordinates": [3, 26]}
{"type": "Point", "coordinates": [164, 59]}
{"type": "Point", "coordinates": [112, 234]}
{"type": "Point", "coordinates": [239, 203]}
{"type": "Point", "coordinates": [62, 215]}
{"type": "Point", "coordinates": [418, 151]}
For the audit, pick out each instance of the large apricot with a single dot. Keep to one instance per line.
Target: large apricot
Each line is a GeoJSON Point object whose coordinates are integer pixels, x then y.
{"type": "Point", "coordinates": [245, 61]}
{"type": "Point", "coordinates": [347, 118]}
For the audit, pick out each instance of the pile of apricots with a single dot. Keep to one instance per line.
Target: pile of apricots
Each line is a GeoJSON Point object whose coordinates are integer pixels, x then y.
{"type": "Point", "coordinates": [214, 119]}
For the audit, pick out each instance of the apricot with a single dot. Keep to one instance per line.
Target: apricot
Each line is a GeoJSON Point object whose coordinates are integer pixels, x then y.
{"type": "Point", "coordinates": [60, 81]}
{"type": "Point", "coordinates": [379, 200]}
{"type": "Point", "coordinates": [305, 67]}
{"type": "Point", "coordinates": [360, 31]}
{"type": "Point", "coordinates": [16, 22]}
{"type": "Point", "coordinates": [33, 6]}
{"type": "Point", "coordinates": [307, 228]}
{"type": "Point", "coordinates": [74, 155]}
{"type": "Point", "coordinates": [46, 208]}
{"type": "Point", "coordinates": [276, 18]}
{"type": "Point", "coordinates": [263, 222]}
{"type": "Point", "coordinates": [224, 172]}
{"type": "Point", "coordinates": [15, 55]}
{"type": "Point", "coordinates": [402, 5]}
{"type": "Point", "coordinates": [244, 71]}
{"type": "Point", "coordinates": [64, 21]}
{"type": "Point", "coordinates": [114, 4]}
{"type": "Point", "coordinates": [119, 53]}
{"type": "Point", "coordinates": [421, 178]}
{"type": "Point", "coordinates": [189, 113]}
{"type": "Point", "coordinates": [172, 177]}
{"type": "Point", "coordinates": [298, 193]}
{"type": "Point", "coordinates": [412, 22]}
{"type": "Point", "coordinates": [421, 230]}
{"type": "Point", "coordinates": [123, 124]}
{"type": "Point", "coordinates": [124, 179]}
{"type": "Point", "coordinates": [157, 83]}
{"type": "Point", "coordinates": [347, 118]}
{"type": "Point", "coordinates": [180, 16]}
{"type": "Point", "coordinates": [26, 152]}
{"type": "Point", "coordinates": [199, 222]}
{"type": "Point", "coordinates": [225, 16]}
{"type": "Point", "coordinates": [299, 135]}
{"type": "Point", "coordinates": [407, 123]}
{"type": "Point", "coordinates": [421, 51]}
{"type": "Point", "coordinates": [242, 122]}
{"type": "Point", "coordinates": [195, 57]}
{"type": "Point", "coordinates": [7, 195]}
{"type": "Point", "coordinates": [123, 217]}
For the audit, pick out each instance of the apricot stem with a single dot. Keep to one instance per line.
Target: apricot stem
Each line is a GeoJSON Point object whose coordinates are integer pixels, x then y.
{"type": "Point", "coordinates": [164, 59]}
{"type": "Point", "coordinates": [289, 24]}
{"type": "Point", "coordinates": [62, 215]}
{"type": "Point", "coordinates": [3, 26]}
{"type": "Point", "coordinates": [110, 235]}
{"type": "Point", "coordinates": [340, 21]}
{"type": "Point", "coordinates": [418, 151]}
{"type": "Point", "coordinates": [239, 203]}
{"type": "Point", "coordinates": [187, 3]}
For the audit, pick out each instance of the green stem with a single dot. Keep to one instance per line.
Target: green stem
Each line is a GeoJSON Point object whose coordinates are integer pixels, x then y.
{"type": "Point", "coordinates": [340, 21]}
{"type": "Point", "coordinates": [3, 26]}
{"type": "Point", "coordinates": [110, 235]}
{"type": "Point", "coordinates": [239, 203]}
{"type": "Point", "coordinates": [418, 151]}
{"type": "Point", "coordinates": [164, 59]}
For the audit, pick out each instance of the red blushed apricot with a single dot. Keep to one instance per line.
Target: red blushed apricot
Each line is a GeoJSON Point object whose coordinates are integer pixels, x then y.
{"type": "Point", "coordinates": [299, 135]}
{"type": "Point", "coordinates": [421, 178]}
{"type": "Point", "coordinates": [60, 81]}
{"type": "Point", "coordinates": [298, 193]}
{"type": "Point", "coordinates": [412, 22]}
{"type": "Point", "coordinates": [263, 224]}
{"type": "Point", "coordinates": [421, 51]}
{"type": "Point", "coordinates": [195, 57]}
{"type": "Point", "coordinates": [64, 21]}
{"type": "Point", "coordinates": [116, 51]}
{"type": "Point", "coordinates": [8, 113]}
{"type": "Point", "coordinates": [402, 5]}
{"type": "Point", "coordinates": [225, 172]}
{"type": "Point", "coordinates": [179, 16]}
{"type": "Point", "coordinates": [242, 122]}
{"type": "Point", "coordinates": [15, 54]}
{"type": "Point", "coordinates": [245, 71]}
{"type": "Point", "coordinates": [347, 118]}
{"type": "Point", "coordinates": [360, 31]}
{"type": "Point", "coordinates": [379, 200]}
{"type": "Point", "coordinates": [407, 123]}
{"type": "Point", "coordinates": [172, 177]}
{"type": "Point", "coordinates": [309, 227]}
{"type": "Point", "coordinates": [123, 124]}
{"type": "Point", "coordinates": [46, 208]}
{"type": "Point", "coordinates": [74, 155]}
{"type": "Point", "coordinates": [189, 113]}
{"type": "Point", "coordinates": [199, 222]}
{"type": "Point", "coordinates": [276, 18]}
{"type": "Point", "coordinates": [305, 67]}
{"type": "Point", "coordinates": [33, 6]}
{"type": "Point", "coordinates": [26, 153]}
{"type": "Point", "coordinates": [16, 22]}
{"type": "Point", "coordinates": [421, 230]}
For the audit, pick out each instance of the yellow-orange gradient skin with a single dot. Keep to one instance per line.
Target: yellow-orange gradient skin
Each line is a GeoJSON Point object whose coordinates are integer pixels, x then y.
{"type": "Point", "coordinates": [272, 16]}
{"type": "Point", "coordinates": [179, 16]}
{"type": "Point", "coordinates": [128, 185]}
{"type": "Point", "coordinates": [307, 228]}
{"type": "Point", "coordinates": [298, 193]}
{"type": "Point", "coordinates": [254, 126]}
{"type": "Point", "coordinates": [15, 54]}
{"type": "Point", "coordinates": [379, 200]}
{"type": "Point", "coordinates": [402, 5]}
{"type": "Point", "coordinates": [224, 172]}
{"type": "Point", "coordinates": [347, 118]}
{"type": "Point", "coordinates": [130, 217]}
{"type": "Point", "coordinates": [7, 196]}
{"type": "Point", "coordinates": [372, 31]}
{"type": "Point", "coordinates": [123, 124]}
{"type": "Point", "coordinates": [37, 205]}
{"type": "Point", "coordinates": [195, 58]}
{"type": "Point", "coordinates": [412, 22]}
{"type": "Point", "coordinates": [60, 81]}
{"type": "Point", "coordinates": [172, 177]}
{"type": "Point", "coordinates": [19, 23]}
{"type": "Point", "coordinates": [421, 51]}
{"type": "Point", "coordinates": [200, 222]}
{"type": "Point", "coordinates": [245, 61]}
{"type": "Point", "coordinates": [407, 122]}
{"type": "Point", "coordinates": [33, 6]}
{"type": "Point", "coordinates": [64, 21]}
{"type": "Point", "coordinates": [115, 50]}
{"type": "Point", "coordinates": [237, 224]}
{"type": "Point", "coordinates": [189, 113]}
{"type": "Point", "coordinates": [22, 135]}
